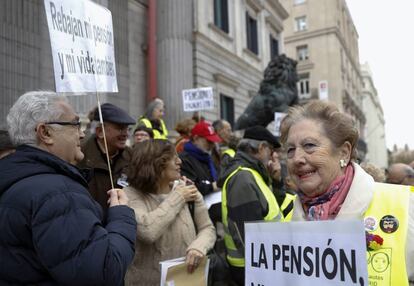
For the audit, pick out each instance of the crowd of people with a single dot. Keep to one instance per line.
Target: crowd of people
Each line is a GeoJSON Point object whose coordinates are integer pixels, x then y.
{"type": "Point", "coordinates": [102, 205]}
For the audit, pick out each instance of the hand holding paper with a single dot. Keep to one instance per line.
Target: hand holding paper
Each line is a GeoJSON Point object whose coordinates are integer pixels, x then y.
{"type": "Point", "coordinates": [174, 272]}
{"type": "Point", "coordinates": [193, 259]}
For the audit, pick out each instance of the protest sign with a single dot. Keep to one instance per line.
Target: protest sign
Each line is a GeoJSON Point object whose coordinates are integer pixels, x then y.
{"type": "Point", "coordinates": [322, 253]}
{"type": "Point", "coordinates": [198, 99]}
{"type": "Point", "coordinates": [82, 41]}
{"type": "Point", "coordinates": [323, 90]}
{"type": "Point", "coordinates": [278, 119]}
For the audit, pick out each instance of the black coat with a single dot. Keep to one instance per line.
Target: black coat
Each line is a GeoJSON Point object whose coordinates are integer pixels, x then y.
{"type": "Point", "coordinates": [100, 181]}
{"type": "Point", "coordinates": [198, 172]}
{"type": "Point", "coordinates": [51, 230]}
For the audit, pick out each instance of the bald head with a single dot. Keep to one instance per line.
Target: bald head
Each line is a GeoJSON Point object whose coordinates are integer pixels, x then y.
{"type": "Point", "coordinates": [401, 174]}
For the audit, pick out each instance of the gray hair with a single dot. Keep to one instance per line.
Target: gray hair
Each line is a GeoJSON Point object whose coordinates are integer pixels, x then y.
{"type": "Point", "coordinates": [250, 146]}
{"type": "Point", "coordinates": [218, 124]}
{"type": "Point", "coordinates": [29, 110]}
{"type": "Point", "coordinates": [153, 104]}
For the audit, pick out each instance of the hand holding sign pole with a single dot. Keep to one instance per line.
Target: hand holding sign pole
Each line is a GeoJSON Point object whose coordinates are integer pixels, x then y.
{"type": "Point", "coordinates": [105, 143]}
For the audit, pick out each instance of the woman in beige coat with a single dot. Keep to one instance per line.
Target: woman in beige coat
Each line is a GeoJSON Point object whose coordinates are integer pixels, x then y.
{"type": "Point", "coordinates": [166, 228]}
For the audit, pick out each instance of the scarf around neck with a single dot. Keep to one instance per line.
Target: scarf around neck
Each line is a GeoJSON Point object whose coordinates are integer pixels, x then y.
{"type": "Point", "coordinates": [201, 156]}
{"type": "Point", "coordinates": [328, 204]}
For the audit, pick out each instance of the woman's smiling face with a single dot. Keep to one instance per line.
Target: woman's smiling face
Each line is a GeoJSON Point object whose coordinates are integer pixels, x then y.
{"type": "Point", "coordinates": [312, 159]}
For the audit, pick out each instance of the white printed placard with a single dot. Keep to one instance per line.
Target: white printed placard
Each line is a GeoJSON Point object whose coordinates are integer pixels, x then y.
{"type": "Point", "coordinates": [322, 253]}
{"type": "Point", "coordinates": [198, 99]}
{"type": "Point", "coordinates": [323, 90]}
{"type": "Point", "coordinates": [82, 41]}
{"type": "Point", "coordinates": [278, 119]}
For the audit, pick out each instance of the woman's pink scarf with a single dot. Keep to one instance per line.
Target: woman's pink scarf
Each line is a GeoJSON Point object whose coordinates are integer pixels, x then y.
{"type": "Point", "coordinates": [327, 205]}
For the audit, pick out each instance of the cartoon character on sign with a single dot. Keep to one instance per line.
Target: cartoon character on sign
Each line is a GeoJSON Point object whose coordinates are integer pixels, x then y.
{"type": "Point", "coordinates": [380, 262]}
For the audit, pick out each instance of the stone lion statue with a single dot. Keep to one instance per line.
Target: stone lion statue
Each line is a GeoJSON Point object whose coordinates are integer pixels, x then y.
{"type": "Point", "coordinates": [277, 92]}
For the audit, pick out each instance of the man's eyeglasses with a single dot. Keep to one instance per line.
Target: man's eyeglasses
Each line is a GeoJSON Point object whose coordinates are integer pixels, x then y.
{"type": "Point", "coordinates": [77, 123]}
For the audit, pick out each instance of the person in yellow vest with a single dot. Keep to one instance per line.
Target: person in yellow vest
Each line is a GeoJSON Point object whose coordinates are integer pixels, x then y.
{"type": "Point", "coordinates": [320, 142]}
{"type": "Point", "coordinates": [247, 194]}
{"type": "Point", "coordinates": [223, 129]}
{"type": "Point", "coordinates": [285, 196]}
{"type": "Point", "coordinates": [153, 119]}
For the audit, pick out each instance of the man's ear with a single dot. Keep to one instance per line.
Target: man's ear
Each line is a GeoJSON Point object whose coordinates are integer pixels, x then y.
{"type": "Point", "coordinates": [99, 132]}
{"type": "Point", "coordinates": [43, 134]}
{"type": "Point", "coordinates": [262, 146]}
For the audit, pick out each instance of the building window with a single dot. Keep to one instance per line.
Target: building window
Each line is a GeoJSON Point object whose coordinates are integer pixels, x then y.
{"type": "Point", "coordinates": [251, 33]}
{"type": "Point", "coordinates": [300, 23]}
{"type": "Point", "coordinates": [302, 53]}
{"type": "Point", "coordinates": [303, 86]}
{"type": "Point", "coordinates": [221, 15]}
{"type": "Point", "coordinates": [274, 47]}
{"type": "Point", "coordinates": [297, 2]}
{"type": "Point", "coordinates": [227, 108]}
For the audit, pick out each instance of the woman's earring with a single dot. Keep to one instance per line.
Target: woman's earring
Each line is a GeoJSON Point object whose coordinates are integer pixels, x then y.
{"type": "Point", "coordinates": [342, 163]}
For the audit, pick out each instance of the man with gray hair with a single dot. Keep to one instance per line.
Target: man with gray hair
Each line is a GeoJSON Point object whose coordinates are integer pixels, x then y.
{"type": "Point", "coordinates": [115, 127]}
{"type": "Point", "coordinates": [51, 229]}
{"type": "Point", "coordinates": [247, 194]}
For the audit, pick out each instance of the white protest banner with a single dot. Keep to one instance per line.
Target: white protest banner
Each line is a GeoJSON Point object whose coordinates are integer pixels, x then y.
{"type": "Point", "coordinates": [82, 40]}
{"type": "Point", "coordinates": [323, 90]}
{"type": "Point", "coordinates": [322, 253]}
{"type": "Point", "coordinates": [278, 119]}
{"type": "Point", "coordinates": [198, 99]}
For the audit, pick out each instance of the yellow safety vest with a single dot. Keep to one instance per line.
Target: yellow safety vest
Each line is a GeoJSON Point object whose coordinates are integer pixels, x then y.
{"type": "Point", "coordinates": [287, 206]}
{"type": "Point", "coordinates": [229, 152]}
{"type": "Point", "coordinates": [157, 133]}
{"type": "Point", "coordinates": [386, 266]}
{"type": "Point", "coordinates": [236, 256]}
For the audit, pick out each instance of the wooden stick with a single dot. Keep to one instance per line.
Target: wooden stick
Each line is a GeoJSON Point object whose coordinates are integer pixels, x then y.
{"type": "Point", "coordinates": [106, 145]}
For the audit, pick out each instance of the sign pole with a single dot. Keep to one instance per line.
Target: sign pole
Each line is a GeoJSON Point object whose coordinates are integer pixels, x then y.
{"type": "Point", "coordinates": [106, 145]}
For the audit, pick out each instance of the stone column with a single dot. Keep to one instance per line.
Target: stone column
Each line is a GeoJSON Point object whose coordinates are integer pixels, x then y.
{"type": "Point", "coordinates": [175, 55]}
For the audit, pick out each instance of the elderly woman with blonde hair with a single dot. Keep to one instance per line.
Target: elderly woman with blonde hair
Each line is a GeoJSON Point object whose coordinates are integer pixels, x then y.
{"type": "Point", "coordinates": [320, 142]}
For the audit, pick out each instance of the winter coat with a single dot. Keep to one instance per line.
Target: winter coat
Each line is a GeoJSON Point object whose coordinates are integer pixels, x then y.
{"type": "Point", "coordinates": [165, 231]}
{"type": "Point", "coordinates": [198, 172]}
{"type": "Point", "coordinates": [51, 228]}
{"type": "Point", "coordinates": [245, 200]}
{"type": "Point", "coordinates": [96, 161]}
{"type": "Point", "coordinates": [357, 202]}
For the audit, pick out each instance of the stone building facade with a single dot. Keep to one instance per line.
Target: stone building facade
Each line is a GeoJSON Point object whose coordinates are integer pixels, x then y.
{"type": "Point", "coordinates": [225, 44]}
{"type": "Point", "coordinates": [375, 127]}
{"type": "Point", "coordinates": [26, 60]}
{"type": "Point", "coordinates": [321, 35]}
